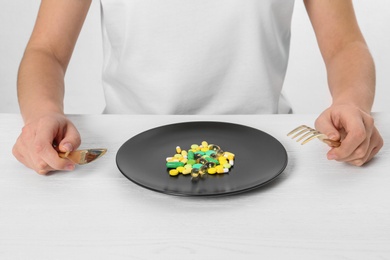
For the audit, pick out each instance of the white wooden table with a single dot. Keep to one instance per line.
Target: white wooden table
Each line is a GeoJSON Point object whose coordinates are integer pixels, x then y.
{"type": "Point", "coordinates": [316, 209]}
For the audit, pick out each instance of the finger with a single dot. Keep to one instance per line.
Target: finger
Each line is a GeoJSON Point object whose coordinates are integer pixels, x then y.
{"type": "Point", "coordinates": [71, 140]}
{"type": "Point", "coordinates": [359, 157]}
{"type": "Point", "coordinates": [361, 152]}
{"type": "Point", "coordinates": [376, 144]}
{"type": "Point", "coordinates": [367, 158]}
{"type": "Point", "coordinates": [55, 164]}
{"type": "Point", "coordinates": [46, 157]}
{"type": "Point", "coordinates": [327, 127]}
{"type": "Point", "coordinates": [18, 155]}
{"type": "Point", "coordinates": [20, 150]}
{"type": "Point", "coordinates": [373, 153]}
{"type": "Point", "coordinates": [41, 167]}
{"type": "Point", "coordinates": [356, 135]}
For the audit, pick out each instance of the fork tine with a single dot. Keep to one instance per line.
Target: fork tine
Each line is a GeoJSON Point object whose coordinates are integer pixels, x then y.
{"type": "Point", "coordinates": [301, 133]}
{"type": "Point", "coordinates": [311, 132]}
{"type": "Point", "coordinates": [297, 129]}
{"type": "Point", "coordinates": [317, 135]}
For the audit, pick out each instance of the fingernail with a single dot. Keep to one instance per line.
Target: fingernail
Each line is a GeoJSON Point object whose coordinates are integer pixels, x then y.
{"type": "Point", "coordinates": [332, 136]}
{"type": "Point", "coordinates": [42, 172]}
{"type": "Point", "coordinates": [331, 157]}
{"type": "Point", "coordinates": [68, 147]}
{"type": "Point", "coordinates": [69, 167]}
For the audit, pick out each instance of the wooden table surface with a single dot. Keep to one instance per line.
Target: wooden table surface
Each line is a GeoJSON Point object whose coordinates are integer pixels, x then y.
{"type": "Point", "coordinates": [316, 209]}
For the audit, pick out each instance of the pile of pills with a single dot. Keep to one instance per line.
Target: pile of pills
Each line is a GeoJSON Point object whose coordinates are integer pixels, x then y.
{"type": "Point", "coordinates": [200, 160]}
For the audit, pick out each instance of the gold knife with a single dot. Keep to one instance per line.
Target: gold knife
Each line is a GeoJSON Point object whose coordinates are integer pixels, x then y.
{"type": "Point", "coordinates": [83, 156]}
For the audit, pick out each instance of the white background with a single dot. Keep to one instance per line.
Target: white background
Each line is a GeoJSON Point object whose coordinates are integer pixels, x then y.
{"type": "Point", "coordinates": [305, 85]}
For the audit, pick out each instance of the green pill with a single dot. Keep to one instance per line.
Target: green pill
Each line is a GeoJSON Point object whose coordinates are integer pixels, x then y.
{"type": "Point", "coordinates": [209, 159]}
{"type": "Point", "coordinates": [197, 165]}
{"type": "Point", "coordinates": [209, 152]}
{"type": "Point", "coordinates": [197, 156]}
{"type": "Point", "coordinates": [191, 162]}
{"type": "Point", "coordinates": [190, 155]}
{"type": "Point", "coordinates": [174, 165]}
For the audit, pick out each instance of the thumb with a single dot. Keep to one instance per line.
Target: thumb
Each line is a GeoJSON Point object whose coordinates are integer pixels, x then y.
{"type": "Point", "coordinates": [327, 127]}
{"type": "Point", "coordinates": [71, 140]}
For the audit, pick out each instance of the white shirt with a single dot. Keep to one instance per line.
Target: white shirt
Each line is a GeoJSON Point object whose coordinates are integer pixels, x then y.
{"type": "Point", "coordinates": [195, 56]}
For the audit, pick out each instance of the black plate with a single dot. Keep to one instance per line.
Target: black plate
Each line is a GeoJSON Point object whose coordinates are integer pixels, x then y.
{"type": "Point", "coordinates": [260, 158]}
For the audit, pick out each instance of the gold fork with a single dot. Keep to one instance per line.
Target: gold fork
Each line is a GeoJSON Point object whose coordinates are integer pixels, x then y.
{"type": "Point", "coordinates": [310, 133]}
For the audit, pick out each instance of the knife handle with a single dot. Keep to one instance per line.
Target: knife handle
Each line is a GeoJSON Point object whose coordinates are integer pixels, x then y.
{"type": "Point", "coordinates": [63, 155]}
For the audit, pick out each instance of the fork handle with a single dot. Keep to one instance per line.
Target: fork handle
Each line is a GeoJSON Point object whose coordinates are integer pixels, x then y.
{"type": "Point", "coordinates": [332, 143]}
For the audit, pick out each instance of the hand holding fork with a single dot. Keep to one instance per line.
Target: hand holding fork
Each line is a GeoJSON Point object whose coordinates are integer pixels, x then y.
{"type": "Point", "coordinates": [310, 133]}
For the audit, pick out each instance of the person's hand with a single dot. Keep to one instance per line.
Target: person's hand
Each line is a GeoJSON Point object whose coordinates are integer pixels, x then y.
{"type": "Point", "coordinates": [37, 145]}
{"type": "Point", "coordinates": [360, 139]}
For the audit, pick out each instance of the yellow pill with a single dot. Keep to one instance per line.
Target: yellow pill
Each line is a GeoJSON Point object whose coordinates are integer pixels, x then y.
{"type": "Point", "coordinates": [186, 171]}
{"type": "Point", "coordinates": [180, 169]}
{"type": "Point", "coordinates": [204, 149]}
{"type": "Point", "coordinates": [184, 153]}
{"type": "Point", "coordinates": [229, 155]}
{"type": "Point", "coordinates": [178, 156]}
{"type": "Point", "coordinates": [178, 149]}
{"type": "Point", "coordinates": [173, 172]}
{"type": "Point", "coordinates": [222, 160]}
{"type": "Point", "coordinates": [219, 169]}
{"type": "Point", "coordinates": [227, 165]}
{"type": "Point", "coordinates": [195, 147]}
{"type": "Point", "coordinates": [205, 144]}
{"type": "Point", "coordinates": [211, 170]}
{"type": "Point", "coordinates": [184, 160]}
